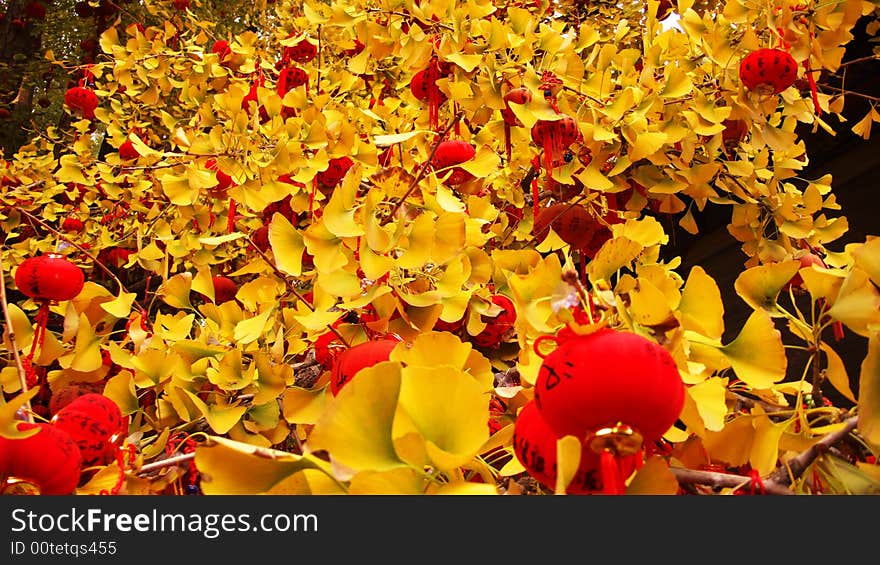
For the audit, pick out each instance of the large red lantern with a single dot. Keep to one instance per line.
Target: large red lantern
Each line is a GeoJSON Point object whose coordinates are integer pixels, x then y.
{"type": "Point", "coordinates": [351, 360]}
{"type": "Point", "coordinates": [454, 152]}
{"type": "Point", "coordinates": [615, 388]}
{"type": "Point", "coordinates": [49, 460]}
{"type": "Point", "coordinates": [572, 223]}
{"type": "Point", "coordinates": [93, 421]}
{"type": "Point", "coordinates": [302, 51]}
{"type": "Point", "coordinates": [534, 444]}
{"type": "Point", "coordinates": [554, 136]}
{"type": "Point", "coordinates": [83, 100]}
{"type": "Point", "coordinates": [423, 86]}
{"type": "Point", "coordinates": [225, 289]}
{"type": "Point", "coordinates": [50, 277]}
{"type": "Point", "coordinates": [768, 71]}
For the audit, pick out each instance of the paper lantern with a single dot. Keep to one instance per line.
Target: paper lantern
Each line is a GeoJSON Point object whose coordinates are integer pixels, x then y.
{"type": "Point", "coordinates": [50, 460]}
{"type": "Point", "coordinates": [50, 277]}
{"type": "Point", "coordinates": [351, 360]}
{"type": "Point", "coordinates": [768, 71]}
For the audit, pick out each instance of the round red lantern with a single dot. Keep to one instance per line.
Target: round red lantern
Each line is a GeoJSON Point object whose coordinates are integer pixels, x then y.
{"type": "Point", "coordinates": [50, 460]}
{"type": "Point", "coordinates": [222, 49]}
{"type": "Point", "coordinates": [225, 289]}
{"type": "Point", "coordinates": [454, 152]}
{"type": "Point", "coordinates": [534, 444]}
{"type": "Point", "coordinates": [128, 151]}
{"type": "Point", "coordinates": [572, 223]}
{"type": "Point", "coordinates": [520, 95]}
{"type": "Point", "coordinates": [347, 363]}
{"type": "Point", "coordinates": [302, 51]}
{"type": "Point", "coordinates": [335, 171]}
{"type": "Point", "coordinates": [290, 78]}
{"type": "Point", "coordinates": [493, 334]}
{"type": "Point", "coordinates": [768, 71]}
{"type": "Point", "coordinates": [554, 136]}
{"type": "Point", "coordinates": [424, 88]}
{"type": "Point", "coordinates": [81, 99]}
{"type": "Point", "coordinates": [609, 377]}
{"type": "Point", "coordinates": [50, 277]}
{"type": "Point", "coordinates": [92, 420]}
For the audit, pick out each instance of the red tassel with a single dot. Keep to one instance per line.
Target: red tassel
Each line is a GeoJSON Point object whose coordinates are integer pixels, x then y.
{"type": "Point", "coordinates": [757, 485]}
{"type": "Point", "coordinates": [814, 92]}
{"type": "Point", "coordinates": [312, 197]}
{"type": "Point", "coordinates": [507, 140]}
{"type": "Point", "coordinates": [434, 105]}
{"type": "Point", "coordinates": [230, 218]}
{"type": "Point", "coordinates": [609, 469]}
{"type": "Point", "coordinates": [535, 206]}
{"type": "Point", "coordinates": [41, 319]}
{"type": "Point", "coordinates": [838, 331]}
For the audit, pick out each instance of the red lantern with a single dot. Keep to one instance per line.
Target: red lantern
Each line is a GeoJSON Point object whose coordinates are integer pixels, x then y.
{"type": "Point", "coordinates": [72, 225]}
{"type": "Point", "coordinates": [81, 99]}
{"type": "Point", "coordinates": [335, 171]}
{"type": "Point", "coordinates": [454, 152]}
{"type": "Point", "coordinates": [49, 460]}
{"type": "Point", "coordinates": [224, 181]}
{"type": "Point", "coordinates": [50, 277]}
{"type": "Point", "coordinates": [302, 51]}
{"type": "Point", "coordinates": [222, 49]}
{"type": "Point", "coordinates": [347, 363]}
{"type": "Point", "coordinates": [290, 78]}
{"type": "Point", "coordinates": [93, 421]}
{"type": "Point", "coordinates": [614, 388]}
{"type": "Point", "coordinates": [734, 131]}
{"type": "Point", "coordinates": [572, 223]}
{"type": "Point", "coordinates": [493, 334]}
{"type": "Point", "coordinates": [128, 151]}
{"type": "Point", "coordinates": [225, 289]}
{"type": "Point", "coordinates": [260, 238]}
{"type": "Point", "coordinates": [534, 444]}
{"type": "Point", "coordinates": [424, 87]}
{"type": "Point", "coordinates": [768, 71]}
{"type": "Point", "coordinates": [36, 10]}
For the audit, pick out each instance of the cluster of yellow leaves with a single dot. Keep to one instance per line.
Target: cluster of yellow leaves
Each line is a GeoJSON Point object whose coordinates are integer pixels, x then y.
{"type": "Point", "coordinates": [392, 240]}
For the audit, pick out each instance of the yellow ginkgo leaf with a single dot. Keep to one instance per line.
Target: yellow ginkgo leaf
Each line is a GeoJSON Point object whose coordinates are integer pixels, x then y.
{"type": "Point", "coordinates": [653, 478]}
{"type": "Point", "coordinates": [764, 453]}
{"type": "Point", "coordinates": [835, 372]}
{"type": "Point", "coordinates": [86, 355]}
{"type": "Point", "coordinates": [568, 461]}
{"type": "Point", "coordinates": [287, 245]}
{"type": "Point", "coordinates": [8, 412]}
{"type": "Point", "coordinates": [757, 355]}
{"type": "Point", "coordinates": [229, 373]}
{"type": "Point", "coordinates": [857, 304]}
{"type": "Point", "coordinates": [732, 445]}
{"type": "Point", "coordinates": [251, 329]}
{"type": "Point", "coordinates": [615, 254]}
{"type": "Point", "coordinates": [485, 162]}
{"type": "Point", "coordinates": [760, 286]}
{"type": "Point", "coordinates": [449, 409]}
{"type": "Point", "coordinates": [701, 306]}
{"type": "Point", "coordinates": [443, 349]}
{"type": "Point", "coordinates": [176, 291]}
{"type": "Point", "coordinates": [867, 258]}
{"type": "Point", "coordinates": [648, 304]}
{"type": "Point", "coordinates": [229, 467]}
{"type": "Point", "coordinates": [339, 212]}
{"type": "Point", "coordinates": [459, 488]}
{"type": "Point", "coordinates": [400, 481]}
{"type": "Point", "coordinates": [120, 389]}
{"type": "Point", "coordinates": [355, 429]}
{"type": "Point", "coordinates": [219, 416]}
{"type": "Point", "coordinates": [303, 406]}
{"type": "Point", "coordinates": [869, 393]}
{"type": "Point", "coordinates": [121, 305]}
{"type": "Point", "coordinates": [709, 398]}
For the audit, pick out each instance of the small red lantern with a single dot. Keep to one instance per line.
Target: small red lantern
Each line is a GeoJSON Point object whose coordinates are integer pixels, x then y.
{"type": "Point", "coordinates": [572, 223]}
{"type": "Point", "coordinates": [225, 289]}
{"type": "Point", "coordinates": [302, 51]}
{"type": "Point", "coordinates": [82, 100]}
{"type": "Point", "coordinates": [768, 71]}
{"type": "Point", "coordinates": [260, 238]}
{"type": "Point", "coordinates": [335, 171]}
{"type": "Point", "coordinates": [222, 49]}
{"type": "Point", "coordinates": [72, 225]}
{"type": "Point", "coordinates": [128, 151]}
{"type": "Point", "coordinates": [617, 389]}
{"type": "Point", "coordinates": [493, 334]}
{"type": "Point", "coordinates": [534, 444]}
{"type": "Point", "coordinates": [454, 152]}
{"type": "Point", "coordinates": [347, 363]}
{"type": "Point", "coordinates": [290, 78]}
{"type": "Point", "coordinates": [49, 460]}
{"type": "Point", "coordinates": [424, 87]}
{"type": "Point", "coordinates": [93, 421]}
{"type": "Point", "coordinates": [50, 277]}
{"type": "Point", "coordinates": [734, 131]}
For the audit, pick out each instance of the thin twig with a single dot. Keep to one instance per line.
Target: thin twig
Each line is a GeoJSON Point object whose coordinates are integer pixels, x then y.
{"type": "Point", "coordinates": [723, 480]}
{"type": "Point", "coordinates": [421, 174]}
{"type": "Point", "coordinates": [22, 375]}
{"type": "Point", "coordinates": [171, 461]}
{"type": "Point", "coordinates": [796, 467]}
